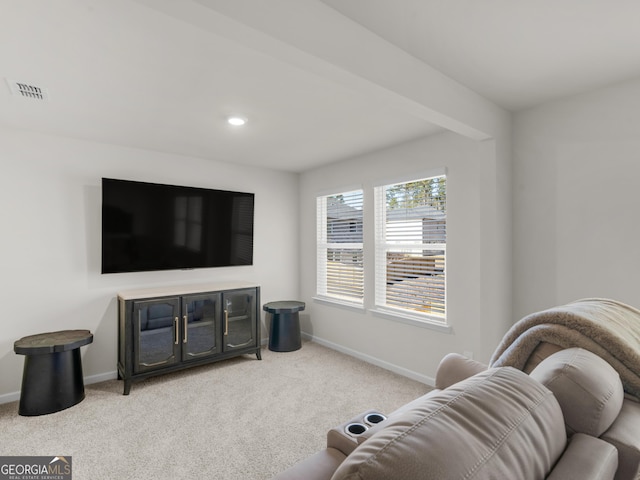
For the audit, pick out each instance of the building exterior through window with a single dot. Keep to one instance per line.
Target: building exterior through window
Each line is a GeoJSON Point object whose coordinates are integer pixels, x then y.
{"type": "Point", "coordinates": [411, 235]}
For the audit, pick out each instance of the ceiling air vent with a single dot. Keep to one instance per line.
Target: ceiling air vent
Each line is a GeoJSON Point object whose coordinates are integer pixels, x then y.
{"type": "Point", "coordinates": [21, 89]}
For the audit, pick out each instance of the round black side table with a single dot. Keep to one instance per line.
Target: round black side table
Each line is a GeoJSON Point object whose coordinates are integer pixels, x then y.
{"type": "Point", "coordinates": [52, 376]}
{"type": "Point", "coordinates": [284, 335]}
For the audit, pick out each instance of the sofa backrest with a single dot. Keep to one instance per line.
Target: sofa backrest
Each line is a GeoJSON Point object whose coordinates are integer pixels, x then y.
{"type": "Point", "coordinates": [588, 389]}
{"type": "Point", "coordinates": [496, 424]}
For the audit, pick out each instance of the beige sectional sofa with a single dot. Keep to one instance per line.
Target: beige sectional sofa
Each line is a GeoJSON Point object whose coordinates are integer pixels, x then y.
{"type": "Point", "coordinates": [567, 419]}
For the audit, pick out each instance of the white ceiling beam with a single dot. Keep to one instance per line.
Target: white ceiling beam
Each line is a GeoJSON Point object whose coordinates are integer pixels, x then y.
{"type": "Point", "coordinates": [318, 39]}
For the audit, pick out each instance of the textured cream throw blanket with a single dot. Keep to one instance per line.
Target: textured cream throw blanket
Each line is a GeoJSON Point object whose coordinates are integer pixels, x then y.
{"type": "Point", "coordinates": [608, 328]}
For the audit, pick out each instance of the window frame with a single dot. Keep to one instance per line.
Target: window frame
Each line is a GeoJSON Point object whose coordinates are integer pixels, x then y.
{"type": "Point", "coordinates": [382, 248]}
{"type": "Point", "coordinates": [323, 245]}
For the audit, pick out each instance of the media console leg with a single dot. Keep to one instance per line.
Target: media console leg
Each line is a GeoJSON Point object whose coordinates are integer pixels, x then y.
{"type": "Point", "coordinates": [127, 387]}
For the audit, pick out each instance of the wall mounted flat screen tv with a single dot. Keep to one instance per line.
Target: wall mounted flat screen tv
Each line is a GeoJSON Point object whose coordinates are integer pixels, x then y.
{"type": "Point", "coordinates": [149, 226]}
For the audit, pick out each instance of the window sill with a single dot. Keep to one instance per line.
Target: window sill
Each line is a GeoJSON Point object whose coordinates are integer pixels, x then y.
{"type": "Point", "coordinates": [339, 303]}
{"type": "Point", "coordinates": [413, 320]}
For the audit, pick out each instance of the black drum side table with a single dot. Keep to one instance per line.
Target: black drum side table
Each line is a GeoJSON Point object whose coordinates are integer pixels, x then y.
{"type": "Point", "coordinates": [52, 376]}
{"type": "Point", "coordinates": [284, 335]}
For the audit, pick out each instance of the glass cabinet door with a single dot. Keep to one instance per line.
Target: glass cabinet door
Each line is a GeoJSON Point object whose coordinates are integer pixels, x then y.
{"type": "Point", "coordinates": [239, 311]}
{"type": "Point", "coordinates": [156, 333]}
{"type": "Point", "coordinates": [200, 325]}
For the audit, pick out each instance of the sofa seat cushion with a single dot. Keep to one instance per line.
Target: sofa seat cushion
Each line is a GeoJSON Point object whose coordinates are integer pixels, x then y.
{"type": "Point", "coordinates": [588, 389]}
{"type": "Point", "coordinates": [586, 458]}
{"type": "Point", "coordinates": [624, 435]}
{"type": "Point", "coordinates": [497, 424]}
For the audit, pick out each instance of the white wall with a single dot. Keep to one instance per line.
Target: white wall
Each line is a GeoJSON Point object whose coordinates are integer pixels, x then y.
{"type": "Point", "coordinates": [412, 350]}
{"type": "Point", "coordinates": [50, 244]}
{"type": "Point", "coordinates": [577, 199]}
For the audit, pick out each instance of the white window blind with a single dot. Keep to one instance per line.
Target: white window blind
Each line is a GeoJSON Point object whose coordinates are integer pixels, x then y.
{"type": "Point", "coordinates": [340, 253]}
{"type": "Point", "coordinates": [411, 233]}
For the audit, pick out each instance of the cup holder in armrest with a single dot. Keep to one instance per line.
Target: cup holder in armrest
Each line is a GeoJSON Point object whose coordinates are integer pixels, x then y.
{"type": "Point", "coordinates": [348, 435]}
{"type": "Point", "coordinates": [354, 429]}
{"type": "Point", "coordinates": [374, 418]}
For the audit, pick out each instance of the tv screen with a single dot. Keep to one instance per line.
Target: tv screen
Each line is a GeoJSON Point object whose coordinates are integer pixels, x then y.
{"type": "Point", "coordinates": [149, 226]}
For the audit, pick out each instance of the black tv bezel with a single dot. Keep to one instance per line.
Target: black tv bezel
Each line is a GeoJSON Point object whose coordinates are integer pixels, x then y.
{"type": "Point", "coordinates": [184, 188]}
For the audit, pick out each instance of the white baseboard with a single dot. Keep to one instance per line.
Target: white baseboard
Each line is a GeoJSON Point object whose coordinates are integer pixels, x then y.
{"type": "Point", "coordinates": [405, 372]}
{"type": "Point", "coordinates": [101, 377]}
{"type": "Point", "coordinates": [9, 397]}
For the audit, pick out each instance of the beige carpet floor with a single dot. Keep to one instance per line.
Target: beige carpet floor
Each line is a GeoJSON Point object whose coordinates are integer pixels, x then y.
{"type": "Point", "coordinates": [237, 419]}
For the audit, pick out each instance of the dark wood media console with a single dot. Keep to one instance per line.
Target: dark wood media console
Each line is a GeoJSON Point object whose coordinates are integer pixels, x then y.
{"type": "Point", "coordinates": [166, 329]}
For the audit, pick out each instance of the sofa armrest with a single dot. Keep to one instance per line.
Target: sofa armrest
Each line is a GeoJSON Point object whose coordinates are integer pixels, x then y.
{"type": "Point", "coordinates": [498, 424]}
{"type": "Point", "coordinates": [320, 466]}
{"type": "Point", "coordinates": [586, 458]}
{"type": "Point", "coordinates": [454, 368]}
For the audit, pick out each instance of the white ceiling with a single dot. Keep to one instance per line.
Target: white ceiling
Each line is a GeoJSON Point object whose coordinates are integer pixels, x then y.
{"type": "Point", "coordinates": [164, 74]}
{"type": "Point", "coordinates": [516, 53]}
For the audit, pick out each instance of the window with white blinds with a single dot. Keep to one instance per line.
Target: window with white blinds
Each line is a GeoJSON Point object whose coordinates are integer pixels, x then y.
{"type": "Point", "coordinates": [340, 252]}
{"type": "Point", "coordinates": [411, 235]}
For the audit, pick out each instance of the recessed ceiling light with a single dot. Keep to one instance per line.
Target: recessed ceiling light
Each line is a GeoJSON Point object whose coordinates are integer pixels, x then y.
{"type": "Point", "coordinates": [236, 120]}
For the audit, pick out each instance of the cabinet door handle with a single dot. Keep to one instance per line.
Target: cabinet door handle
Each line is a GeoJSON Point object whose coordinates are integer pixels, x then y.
{"type": "Point", "coordinates": [175, 332]}
{"type": "Point", "coordinates": [226, 322]}
{"type": "Point", "coordinates": [185, 318]}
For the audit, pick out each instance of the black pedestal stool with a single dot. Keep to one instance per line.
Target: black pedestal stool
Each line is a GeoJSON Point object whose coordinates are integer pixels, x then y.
{"type": "Point", "coordinates": [52, 376]}
{"type": "Point", "coordinates": [284, 335]}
